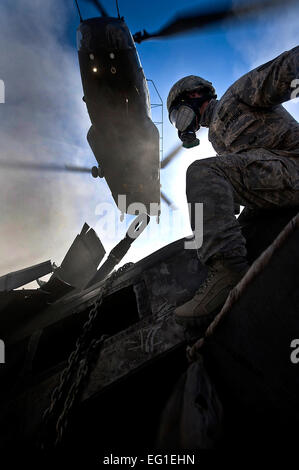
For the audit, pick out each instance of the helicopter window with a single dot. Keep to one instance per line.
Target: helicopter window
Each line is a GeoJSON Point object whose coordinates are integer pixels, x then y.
{"type": "Point", "coordinates": [118, 37]}
{"type": "Point", "coordinates": [83, 38]}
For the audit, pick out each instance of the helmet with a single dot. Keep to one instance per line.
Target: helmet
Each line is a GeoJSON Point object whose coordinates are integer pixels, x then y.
{"type": "Point", "coordinates": [189, 83]}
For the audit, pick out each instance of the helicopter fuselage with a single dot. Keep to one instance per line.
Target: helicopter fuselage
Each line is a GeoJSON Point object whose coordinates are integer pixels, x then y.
{"type": "Point", "coordinates": [122, 136]}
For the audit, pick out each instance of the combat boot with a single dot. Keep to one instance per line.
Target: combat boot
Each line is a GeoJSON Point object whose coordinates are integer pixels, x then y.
{"type": "Point", "coordinates": [210, 297]}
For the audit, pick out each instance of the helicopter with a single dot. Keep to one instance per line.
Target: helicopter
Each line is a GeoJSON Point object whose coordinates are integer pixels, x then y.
{"type": "Point", "coordinates": [117, 100]}
{"type": "Point", "coordinates": [122, 136]}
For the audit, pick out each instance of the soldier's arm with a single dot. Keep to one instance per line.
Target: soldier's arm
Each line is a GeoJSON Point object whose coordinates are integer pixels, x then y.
{"type": "Point", "coordinates": [272, 83]}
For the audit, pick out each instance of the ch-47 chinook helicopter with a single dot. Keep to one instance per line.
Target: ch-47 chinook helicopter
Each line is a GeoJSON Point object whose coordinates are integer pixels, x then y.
{"type": "Point", "coordinates": [122, 136]}
{"type": "Point", "coordinates": [117, 100]}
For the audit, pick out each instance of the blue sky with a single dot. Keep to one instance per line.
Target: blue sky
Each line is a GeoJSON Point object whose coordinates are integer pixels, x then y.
{"type": "Point", "coordinates": [44, 118]}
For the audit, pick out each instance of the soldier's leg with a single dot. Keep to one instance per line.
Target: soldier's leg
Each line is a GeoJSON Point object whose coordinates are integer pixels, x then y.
{"type": "Point", "coordinates": [262, 179]}
{"type": "Point", "coordinates": [253, 179]}
{"type": "Point", "coordinates": [208, 183]}
{"type": "Point", "coordinates": [223, 248]}
{"type": "Point", "coordinates": [257, 179]}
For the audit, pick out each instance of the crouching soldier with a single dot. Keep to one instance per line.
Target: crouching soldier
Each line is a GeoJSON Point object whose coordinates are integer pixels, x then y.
{"type": "Point", "coordinates": [257, 165]}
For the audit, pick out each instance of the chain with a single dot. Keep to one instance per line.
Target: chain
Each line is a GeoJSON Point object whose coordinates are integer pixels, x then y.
{"type": "Point", "coordinates": [72, 377]}
{"type": "Point", "coordinates": [124, 268]}
{"type": "Point", "coordinates": [81, 375]}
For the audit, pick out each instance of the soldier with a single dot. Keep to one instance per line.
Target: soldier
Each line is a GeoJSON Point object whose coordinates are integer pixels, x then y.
{"type": "Point", "coordinates": [257, 165]}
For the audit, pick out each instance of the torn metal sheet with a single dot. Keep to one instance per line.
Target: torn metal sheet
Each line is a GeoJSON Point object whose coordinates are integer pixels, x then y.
{"type": "Point", "coordinates": [82, 259]}
{"type": "Point", "coordinates": [24, 276]}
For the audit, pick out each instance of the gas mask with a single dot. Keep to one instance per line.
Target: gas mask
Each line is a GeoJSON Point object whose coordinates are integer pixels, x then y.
{"type": "Point", "coordinates": [185, 116]}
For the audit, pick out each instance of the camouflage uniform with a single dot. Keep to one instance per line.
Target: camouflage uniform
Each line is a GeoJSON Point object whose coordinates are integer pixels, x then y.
{"type": "Point", "coordinates": [257, 162]}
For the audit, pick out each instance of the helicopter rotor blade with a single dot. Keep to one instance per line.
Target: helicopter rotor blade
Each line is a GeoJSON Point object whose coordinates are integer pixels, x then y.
{"type": "Point", "coordinates": [77, 169]}
{"type": "Point", "coordinates": [98, 5]}
{"type": "Point", "coordinates": [43, 167]}
{"type": "Point", "coordinates": [168, 201]}
{"type": "Point", "coordinates": [170, 156]}
{"type": "Point", "coordinates": [199, 19]}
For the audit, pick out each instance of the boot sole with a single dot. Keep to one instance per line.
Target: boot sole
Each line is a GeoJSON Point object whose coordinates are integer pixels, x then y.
{"type": "Point", "coordinates": [199, 323]}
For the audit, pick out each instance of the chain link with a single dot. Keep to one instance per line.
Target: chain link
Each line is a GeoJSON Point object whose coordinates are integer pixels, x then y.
{"type": "Point", "coordinates": [56, 416]}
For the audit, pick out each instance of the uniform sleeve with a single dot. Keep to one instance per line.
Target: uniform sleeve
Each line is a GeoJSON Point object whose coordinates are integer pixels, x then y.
{"type": "Point", "coordinates": [271, 83]}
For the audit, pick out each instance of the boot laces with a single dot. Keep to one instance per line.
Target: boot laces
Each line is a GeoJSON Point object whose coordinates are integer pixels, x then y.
{"type": "Point", "coordinates": [204, 285]}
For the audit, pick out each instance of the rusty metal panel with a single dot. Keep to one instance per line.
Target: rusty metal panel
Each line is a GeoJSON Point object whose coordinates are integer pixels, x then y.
{"type": "Point", "coordinates": [133, 348]}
